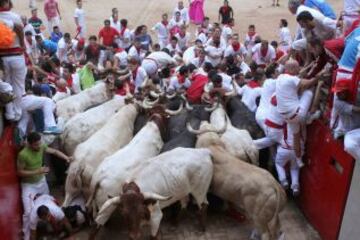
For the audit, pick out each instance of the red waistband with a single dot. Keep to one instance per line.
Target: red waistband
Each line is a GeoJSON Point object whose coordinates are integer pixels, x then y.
{"type": "Point", "coordinates": [273, 125]}
{"type": "Point", "coordinates": [11, 51]}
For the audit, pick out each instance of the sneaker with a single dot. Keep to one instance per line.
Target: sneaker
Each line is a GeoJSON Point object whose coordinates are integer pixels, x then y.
{"type": "Point", "coordinates": [52, 130]}
{"type": "Point", "coordinates": [300, 163]}
{"type": "Point", "coordinates": [284, 184]}
{"type": "Point", "coordinates": [295, 190]}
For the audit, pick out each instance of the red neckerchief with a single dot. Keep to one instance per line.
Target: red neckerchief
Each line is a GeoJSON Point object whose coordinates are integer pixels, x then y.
{"type": "Point", "coordinates": [236, 46]}
{"type": "Point", "coordinates": [134, 73]}
{"type": "Point", "coordinates": [69, 81]}
{"type": "Point", "coordinates": [251, 34]}
{"type": "Point", "coordinates": [263, 52]}
{"type": "Point", "coordinates": [119, 50]}
{"type": "Point", "coordinates": [122, 31]}
{"type": "Point", "coordinates": [165, 23]}
{"type": "Point", "coordinates": [2, 9]}
{"type": "Point", "coordinates": [181, 79]}
{"type": "Point", "coordinates": [182, 35]}
{"type": "Point", "coordinates": [253, 84]}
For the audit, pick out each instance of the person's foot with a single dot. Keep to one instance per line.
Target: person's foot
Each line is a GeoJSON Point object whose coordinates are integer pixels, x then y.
{"type": "Point", "coordinates": [295, 190]}
{"type": "Point", "coordinates": [52, 130]}
{"type": "Point", "coordinates": [284, 184]}
{"type": "Point", "coordinates": [300, 163]}
{"type": "Point", "coordinates": [313, 116]}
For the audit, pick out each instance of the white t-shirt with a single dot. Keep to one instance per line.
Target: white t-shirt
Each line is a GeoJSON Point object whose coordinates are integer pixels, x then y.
{"type": "Point", "coordinates": [259, 58]}
{"type": "Point", "coordinates": [29, 28]}
{"type": "Point", "coordinates": [175, 85]}
{"type": "Point", "coordinates": [116, 25]}
{"type": "Point", "coordinates": [249, 96]}
{"type": "Point", "coordinates": [125, 39]}
{"type": "Point", "coordinates": [183, 42]}
{"type": "Point", "coordinates": [63, 46]}
{"type": "Point", "coordinates": [139, 55]}
{"type": "Point", "coordinates": [197, 62]}
{"type": "Point", "coordinates": [229, 51]}
{"type": "Point", "coordinates": [49, 202]}
{"type": "Point", "coordinates": [202, 37]}
{"type": "Point", "coordinates": [122, 57]}
{"type": "Point", "coordinates": [161, 30]}
{"type": "Point", "coordinates": [285, 36]}
{"type": "Point", "coordinates": [139, 78]}
{"type": "Point", "coordinates": [226, 33]}
{"type": "Point", "coordinates": [222, 43]}
{"type": "Point", "coordinates": [189, 55]}
{"type": "Point", "coordinates": [162, 58]}
{"type": "Point", "coordinates": [268, 89]}
{"type": "Point", "coordinates": [174, 23]}
{"type": "Point", "coordinates": [273, 113]}
{"type": "Point", "coordinates": [226, 81]}
{"type": "Point", "coordinates": [213, 55]}
{"type": "Point", "coordinates": [184, 14]}
{"type": "Point", "coordinates": [173, 50]}
{"type": "Point", "coordinates": [80, 15]}
{"type": "Point", "coordinates": [287, 94]}
{"type": "Point", "coordinates": [11, 19]}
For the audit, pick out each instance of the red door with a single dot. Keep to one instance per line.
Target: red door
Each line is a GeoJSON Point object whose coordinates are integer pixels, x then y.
{"type": "Point", "coordinates": [10, 202]}
{"type": "Point", "coordinates": [325, 181]}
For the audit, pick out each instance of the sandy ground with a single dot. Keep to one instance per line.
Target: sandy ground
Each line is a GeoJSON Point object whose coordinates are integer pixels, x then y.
{"type": "Point", "coordinates": [258, 12]}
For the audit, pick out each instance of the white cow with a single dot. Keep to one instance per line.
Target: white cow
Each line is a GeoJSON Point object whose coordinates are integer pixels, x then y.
{"type": "Point", "coordinates": [115, 134]}
{"type": "Point", "coordinates": [238, 142]}
{"type": "Point", "coordinates": [69, 107]}
{"type": "Point", "coordinates": [246, 186]}
{"type": "Point", "coordinates": [80, 127]}
{"type": "Point", "coordinates": [160, 182]}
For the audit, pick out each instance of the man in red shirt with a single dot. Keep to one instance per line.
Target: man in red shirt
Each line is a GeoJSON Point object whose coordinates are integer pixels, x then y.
{"type": "Point", "coordinates": [198, 81]}
{"type": "Point", "coordinates": [107, 36]}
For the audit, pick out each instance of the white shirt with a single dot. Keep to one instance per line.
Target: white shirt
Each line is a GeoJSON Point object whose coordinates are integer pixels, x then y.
{"type": "Point", "coordinates": [287, 94]}
{"type": "Point", "coordinates": [324, 27]}
{"type": "Point", "coordinates": [267, 90]}
{"type": "Point", "coordinates": [229, 51]}
{"type": "Point", "coordinates": [226, 33]}
{"type": "Point", "coordinates": [174, 23]}
{"type": "Point", "coordinates": [202, 37]}
{"type": "Point", "coordinates": [11, 19]}
{"type": "Point", "coordinates": [139, 78]}
{"type": "Point", "coordinates": [250, 41]}
{"type": "Point", "coordinates": [134, 53]}
{"type": "Point", "coordinates": [173, 50]}
{"type": "Point", "coordinates": [122, 57]}
{"type": "Point", "coordinates": [125, 39]}
{"type": "Point", "coordinates": [259, 59]}
{"type": "Point", "coordinates": [162, 59]}
{"type": "Point", "coordinates": [183, 42]}
{"type": "Point", "coordinates": [161, 30]}
{"type": "Point", "coordinates": [285, 36]}
{"type": "Point", "coordinates": [49, 202]}
{"type": "Point", "coordinates": [351, 6]}
{"type": "Point", "coordinates": [244, 68]}
{"type": "Point", "coordinates": [222, 43]}
{"type": "Point", "coordinates": [273, 114]}
{"type": "Point", "coordinates": [29, 28]}
{"type": "Point", "coordinates": [116, 25]}
{"type": "Point", "coordinates": [249, 96]}
{"type": "Point", "coordinates": [213, 55]}
{"type": "Point", "coordinates": [175, 85]}
{"type": "Point", "coordinates": [31, 48]}
{"type": "Point", "coordinates": [80, 15]}
{"type": "Point", "coordinates": [184, 14]}
{"type": "Point", "coordinates": [226, 81]}
{"type": "Point", "coordinates": [189, 55]}
{"type": "Point", "coordinates": [197, 62]}
{"type": "Point", "coordinates": [63, 46]}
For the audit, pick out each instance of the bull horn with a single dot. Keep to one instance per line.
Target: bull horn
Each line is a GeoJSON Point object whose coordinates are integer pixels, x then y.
{"type": "Point", "coordinates": [233, 92]}
{"type": "Point", "coordinates": [155, 196]}
{"type": "Point", "coordinates": [176, 112]}
{"type": "Point", "coordinates": [171, 96]}
{"type": "Point", "coordinates": [188, 106]}
{"type": "Point", "coordinates": [154, 94]}
{"type": "Point", "coordinates": [151, 103]}
{"type": "Point", "coordinates": [145, 105]}
{"type": "Point", "coordinates": [213, 107]}
{"type": "Point", "coordinates": [191, 130]}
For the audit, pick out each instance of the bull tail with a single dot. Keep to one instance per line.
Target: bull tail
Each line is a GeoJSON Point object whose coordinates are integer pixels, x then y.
{"type": "Point", "coordinates": [274, 224]}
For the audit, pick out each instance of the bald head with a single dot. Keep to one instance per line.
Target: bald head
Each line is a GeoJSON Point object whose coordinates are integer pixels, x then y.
{"type": "Point", "coordinates": [293, 5]}
{"type": "Point", "coordinates": [292, 67]}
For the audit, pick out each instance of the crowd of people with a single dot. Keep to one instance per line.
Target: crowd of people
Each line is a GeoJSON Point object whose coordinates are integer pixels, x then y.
{"type": "Point", "coordinates": [279, 80]}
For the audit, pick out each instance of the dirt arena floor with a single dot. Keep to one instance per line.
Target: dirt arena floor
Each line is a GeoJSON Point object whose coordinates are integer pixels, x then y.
{"type": "Point", "coordinates": [266, 18]}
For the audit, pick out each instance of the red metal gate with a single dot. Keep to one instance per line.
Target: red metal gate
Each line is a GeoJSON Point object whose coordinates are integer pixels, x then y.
{"type": "Point", "coordinates": [10, 202]}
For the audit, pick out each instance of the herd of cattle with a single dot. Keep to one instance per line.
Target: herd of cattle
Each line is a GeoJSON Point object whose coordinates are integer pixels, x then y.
{"type": "Point", "coordinates": [140, 155]}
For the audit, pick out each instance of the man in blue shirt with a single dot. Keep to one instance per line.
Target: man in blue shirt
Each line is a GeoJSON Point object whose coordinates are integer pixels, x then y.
{"type": "Point", "coordinates": [56, 35]}
{"type": "Point", "coordinates": [321, 5]}
{"type": "Point", "coordinates": [46, 46]}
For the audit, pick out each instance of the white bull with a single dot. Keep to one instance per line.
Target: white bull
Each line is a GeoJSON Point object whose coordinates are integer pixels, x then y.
{"type": "Point", "coordinates": [69, 107]}
{"type": "Point", "coordinates": [238, 142]}
{"type": "Point", "coordinates": [115, 134]}
{"type": "Point", "coordinates": [246, 186]}
{"type": "Point", "coordinates": [169, 177]}
{"type": "Point", "coordinates": [80, 127]}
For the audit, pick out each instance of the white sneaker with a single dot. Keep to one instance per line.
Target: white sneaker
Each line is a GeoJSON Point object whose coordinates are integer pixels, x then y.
{"type": "Point", "coordinates": [295, 190]}
{"type": "Point", "coordinates": [300, 163]}
{"type": "Point", "coordinates": [284, 184]}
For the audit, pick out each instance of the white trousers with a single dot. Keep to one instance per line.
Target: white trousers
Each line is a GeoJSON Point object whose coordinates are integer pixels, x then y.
{"type": "Point", "coordinates": [28, 192]}
{"type": "Point", "coordinates": [299, 45]}
{"type": "Point", "coordinates": [352, 143]}
{"type": "Point", "coordinates": [273, 136]}
{"type": "Point", "coordinates": [30, 103]}
{"type": "Point", "coordinates": [284, 156]}
{"type": "Point", "coordinates": [15, 72]}
{"type": "Point", "coordinates": [304, 106]}
{"type": "Point", "coordinates": [55, 21]}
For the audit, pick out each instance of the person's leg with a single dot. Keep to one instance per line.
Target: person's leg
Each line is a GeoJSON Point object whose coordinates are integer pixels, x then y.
{"type": "Point", "coordinates": [352, 143]}
{"type": "Point", "coordinates": [294, 173]}
{"type": "Point", "coordinates": [26, 190]}
{"type": "Point", "coordinates": [280, 162]}
{"type": "Point", "coordinates": [23, 123]}
{"type": "Point", "coordinates": [272, 137]}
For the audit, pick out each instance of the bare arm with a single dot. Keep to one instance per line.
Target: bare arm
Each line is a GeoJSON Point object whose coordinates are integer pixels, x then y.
{"type": "Point", "coordinates": [58, 154]}
{"type": "Point", "coordinates": [19, 30]}
{"type": "Point", "coordinates": [306, 84]}
{"type": "Point", "coordinates": [21, 172]}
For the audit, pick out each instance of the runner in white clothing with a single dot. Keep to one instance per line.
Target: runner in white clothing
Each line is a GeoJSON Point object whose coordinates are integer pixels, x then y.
{"type": "Point", "coordinates": [157, 61]}
{"type": "Point", "coordinates": [162, 30]}
{"type": "Point", "coordinates": [184, 12]}
{"type": "Point", "coordinates": [285, 36]}
{"type": "Point", "coordinates": [180, 82]}
{"type": "Point", "coordinates": [139, 76]}
{"type": "Point", "coordinates": [79, 17]}
{"type": "Point", "coordinates": [227, 30]}
{"type": "Point", "coordinates": [252, 90]}
{"type": "Point", "coordinates": [235, 48]}
{"type": "Point", "coordinates": [263, 53]}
